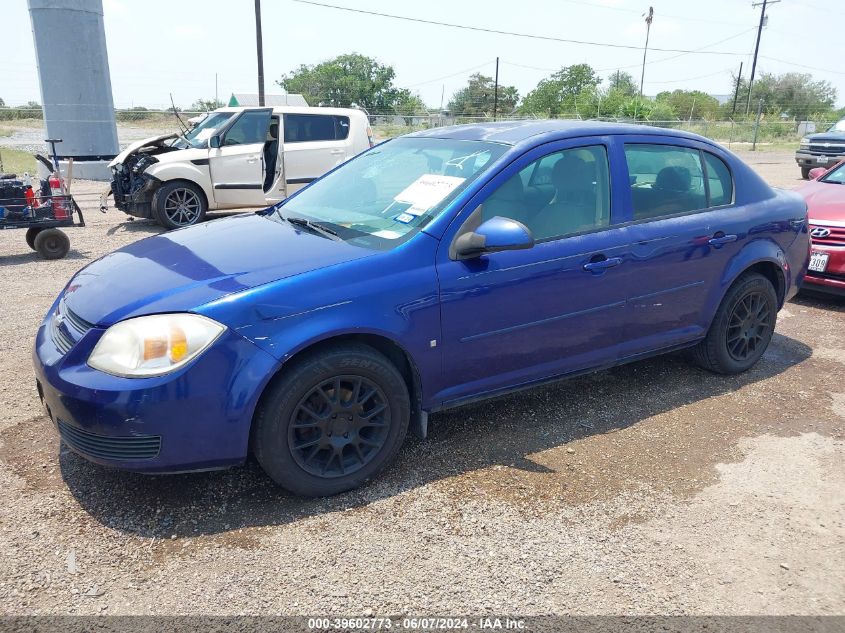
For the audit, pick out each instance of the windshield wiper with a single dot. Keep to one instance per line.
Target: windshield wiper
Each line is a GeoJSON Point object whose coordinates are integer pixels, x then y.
{"type": "Point", "coordinates": [315, 227]}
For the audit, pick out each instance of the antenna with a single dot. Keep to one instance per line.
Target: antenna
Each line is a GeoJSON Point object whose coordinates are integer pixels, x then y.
{"type": "Point", "coordinates": [176, 114]}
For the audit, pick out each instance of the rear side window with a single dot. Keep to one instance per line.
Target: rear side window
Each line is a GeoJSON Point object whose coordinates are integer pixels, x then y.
{"type": "Point", "coordinates": [303, 128]}
{"type": "Point", "coordinates": [665, 179]}
{"type": "Point", "coordinates": [719, 181]}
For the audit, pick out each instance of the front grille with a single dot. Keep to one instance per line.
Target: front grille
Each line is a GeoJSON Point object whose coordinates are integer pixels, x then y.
{"type": "Point", "coordinates": [836, 237]}
{"type": "Point", "coordinates": [67, 328]}
{"type": "Point", "coordinates": [831, 149]}
{"type": "Point", "coordinates": [117, 448]}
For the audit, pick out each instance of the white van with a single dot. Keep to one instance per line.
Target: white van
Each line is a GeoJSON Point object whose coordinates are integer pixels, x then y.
{"type": "Point", "coordinates": [233, 159]}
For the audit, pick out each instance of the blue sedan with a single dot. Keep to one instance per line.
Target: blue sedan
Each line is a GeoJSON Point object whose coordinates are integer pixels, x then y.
{"type": "Point", "coordinates": [433, 270]}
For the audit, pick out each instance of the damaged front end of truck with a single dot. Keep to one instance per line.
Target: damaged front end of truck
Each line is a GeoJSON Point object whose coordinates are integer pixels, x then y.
{"type": "Point", "coordinates": [131, 186]}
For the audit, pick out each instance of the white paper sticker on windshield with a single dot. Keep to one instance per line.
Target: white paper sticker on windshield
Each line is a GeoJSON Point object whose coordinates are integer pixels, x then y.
{"type": "Point", "coordinates": [388, 235]}
{"type": "Point", "coordinates": [426, 191]}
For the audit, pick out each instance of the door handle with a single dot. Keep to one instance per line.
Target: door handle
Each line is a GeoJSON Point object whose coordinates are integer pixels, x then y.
{"type": "Point", "coordinates": [337, 152]}
{"type": "Point", "coordinates": [602, 264]}
{"type": "Point", "coordinates": [252, 159]}
{"type": "Point", "coordinates": [721, 239]}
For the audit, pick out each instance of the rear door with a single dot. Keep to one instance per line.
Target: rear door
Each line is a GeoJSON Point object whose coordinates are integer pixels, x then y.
{"type": "Point", "coordinates": [237, 166]}
{"type": "Point", "coordinates": [685, 229]}
{"type": "Point", "coordinates": [314, 144]}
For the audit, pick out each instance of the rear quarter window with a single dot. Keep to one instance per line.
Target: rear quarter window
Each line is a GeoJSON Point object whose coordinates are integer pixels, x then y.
{"type": "Point", "coordinates": [719, 180]}
{"type": "Point", "coordinates": [304, 128]}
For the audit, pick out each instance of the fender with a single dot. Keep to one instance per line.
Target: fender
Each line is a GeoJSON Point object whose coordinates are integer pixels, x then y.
{"type": "Point", "coordinates": [762, 250]}
{"type": "Point", "coordinates": [185, 170]}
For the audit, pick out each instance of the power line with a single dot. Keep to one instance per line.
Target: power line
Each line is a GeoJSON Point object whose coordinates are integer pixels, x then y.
{"type": "Point", "coordinates": [821, 70]}
{"type": "Point", "coordinates": [460, 72]}
{"type": "Point", "coordinates": [547, 38]}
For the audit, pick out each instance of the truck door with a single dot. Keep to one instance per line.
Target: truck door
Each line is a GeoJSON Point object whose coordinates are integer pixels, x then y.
{"type": "Point", "coordinates": [237, 163]}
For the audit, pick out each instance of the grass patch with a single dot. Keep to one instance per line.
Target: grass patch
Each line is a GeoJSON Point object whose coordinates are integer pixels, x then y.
{"type": "Point", "coordinates": [17, 162]}
{"type": "Point", "coordinates": [4, 131]}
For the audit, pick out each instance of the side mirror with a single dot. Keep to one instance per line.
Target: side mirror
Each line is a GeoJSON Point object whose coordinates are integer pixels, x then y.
{"type": "Point", "coordinates": [816, 172]}
{"type": "Point", "coordinates": [494, 235]}
{"type": "Point", "coordinates": [214, 142]}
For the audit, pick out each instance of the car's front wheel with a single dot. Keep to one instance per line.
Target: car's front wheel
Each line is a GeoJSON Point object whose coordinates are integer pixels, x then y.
{"type": "Point", "coordinates": [332, 420]}
{"type": "Point", "coordinates": [742, 328]}
{"type": "Point", "coordinates": [179, 204]}
{"type": "Point", "coordinates": [805, 173]}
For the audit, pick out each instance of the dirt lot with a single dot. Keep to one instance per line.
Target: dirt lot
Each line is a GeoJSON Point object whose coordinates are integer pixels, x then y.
{"type": "Point", "coordinates": [652, 488]}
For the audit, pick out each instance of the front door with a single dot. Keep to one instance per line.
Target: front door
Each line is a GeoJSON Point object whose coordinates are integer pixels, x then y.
{"type": "Point", "coordinates": [238, 164]}
{"type": "Point", "coordinates": [514, 317]}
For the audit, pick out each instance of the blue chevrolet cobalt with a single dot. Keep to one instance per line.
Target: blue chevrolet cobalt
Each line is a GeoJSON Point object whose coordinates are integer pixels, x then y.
{"type": "Point", "coordinates": [435, 269]}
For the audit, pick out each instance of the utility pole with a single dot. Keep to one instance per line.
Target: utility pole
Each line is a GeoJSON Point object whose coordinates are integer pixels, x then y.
{"type": "Point", "coordinates": [496, 92]}
{"type": "Point", "coordinates": [736, 92]}
{"type": "Point", "coordinates": [757, 125]}
{"type": "Point", "coordinates": [762, 6]}
{"type": "Point", "coordinates": [260, 50]}
{"type": "Point", "coordinates": [649, 18]}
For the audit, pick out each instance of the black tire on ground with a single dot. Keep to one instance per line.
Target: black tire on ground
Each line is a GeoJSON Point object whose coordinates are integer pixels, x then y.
{"type": "Point", "coordinates": [331, 421]}
{"type": "Point", "coordinates": [31, 232]}
{"type": "Point", "coordinates": [52, 244]}
{"type": "Point", "coordinates": [742, 328]}
{"type": "Point", "coordinates": [805, 173]}
{"type": "Point", "coordinates": [179, 204]}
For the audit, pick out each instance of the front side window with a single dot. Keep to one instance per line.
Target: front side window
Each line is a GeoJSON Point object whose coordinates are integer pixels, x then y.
{"type": "Point", "coordinates": [250, 128]}
{"type": "Point", "coordinates": [560, 194]}
{"type": "Point", "coordinates": [391, 192]}
{"type": "Point", "coordinates": [302, 128]}
{"type": "Point", "coordinates": [665, 179]}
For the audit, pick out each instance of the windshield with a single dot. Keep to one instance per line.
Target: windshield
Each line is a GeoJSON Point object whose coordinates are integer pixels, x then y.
{"type": "Point", "coordinates": [204, 130]}
{"type": "Point", "coordinates": [838, 127]}
{"type": "Point", "coordinates": [837, 176]}
{"type": "Point", "coordinates": [391, 192]}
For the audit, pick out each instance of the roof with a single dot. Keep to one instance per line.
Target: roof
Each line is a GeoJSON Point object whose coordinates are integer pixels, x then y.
{"type": "Point", "coordinates": [299, 110]}
{"type": "Point", "coordinates": [513, 132]}
{"type": "Point", "coordinates": [251, 99]}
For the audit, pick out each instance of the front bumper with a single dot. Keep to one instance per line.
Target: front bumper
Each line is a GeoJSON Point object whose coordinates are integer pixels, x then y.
{"type": "Point", "coordinates": [135, 198]}
{"type": "Point", "coordinates": [832, 280]}
{"type": "Point", "coordinates": [809, 159]}
{"type": "Point", "coordinates": [197, 418]}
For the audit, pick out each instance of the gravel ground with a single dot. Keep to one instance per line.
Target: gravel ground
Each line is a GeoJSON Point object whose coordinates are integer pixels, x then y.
{"type": "Point", "coordinates": [653, 488]}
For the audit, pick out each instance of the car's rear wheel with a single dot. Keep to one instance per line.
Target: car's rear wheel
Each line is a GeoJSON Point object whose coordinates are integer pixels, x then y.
{"type": "Point", "coordinates": [805, 173]}
{"type": "Point", "coordinates": [332, 421]}
{"type": "Point", "coordinates": [742, 328]}
{"type": "Point", "coordinates": [179, 204]}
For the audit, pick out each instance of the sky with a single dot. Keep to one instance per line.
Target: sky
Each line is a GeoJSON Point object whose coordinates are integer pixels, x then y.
{"type": "Point", "coordinates": [157, 47]}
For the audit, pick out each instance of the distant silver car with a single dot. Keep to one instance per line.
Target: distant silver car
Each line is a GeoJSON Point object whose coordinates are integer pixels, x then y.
{"type": "Point", "coordinates": [232, 158]}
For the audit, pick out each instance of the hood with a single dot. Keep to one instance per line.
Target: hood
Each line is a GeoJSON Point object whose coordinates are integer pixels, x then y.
{"type": "Point", "coordinates": [825, 200]}
{"type": "Point", "coordinates": [134, 147]}
{"type": "Point", "coordinates": [184, 269]}
{"type": "Point", "coordinates": [834, 137]}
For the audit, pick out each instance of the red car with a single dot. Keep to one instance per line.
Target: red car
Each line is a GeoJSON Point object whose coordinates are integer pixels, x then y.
{"type": "Point", "coordinates": [825, 196]}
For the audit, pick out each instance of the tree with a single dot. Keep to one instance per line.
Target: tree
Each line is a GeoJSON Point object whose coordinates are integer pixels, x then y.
{"type": "Point", "coordinates": [794, 95]}
{"type": "Point", "coordinates": [690, 104]}
{"type": "Point", "coordinates": [347, 80]}
{"type": "Point", "coordinates": [623, 83]}
{"type": "Point", "coordinates": [204, 105]}
{"type": "Point", "coordinates": [561, 92]}
{"type": "Point", "coordinates": [477, 97]}
{"type": "Point", "coordinates": [2, 103]}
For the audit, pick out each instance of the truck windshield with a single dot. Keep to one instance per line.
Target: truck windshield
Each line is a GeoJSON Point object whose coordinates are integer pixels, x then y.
{"type": "Point", "coordinates": [838, 127]}
{"type": "Point", "coordinates": [386, 195]}
{"type": "Point", "coordinates": [204, 130]}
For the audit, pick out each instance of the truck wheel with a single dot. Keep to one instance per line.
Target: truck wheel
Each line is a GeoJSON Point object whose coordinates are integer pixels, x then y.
{"type": "Point", "coordinates": [805, 173]}
{"type": "Point", "coordinates": [52, 243]}
{"type": "Point", "coordinates": [742, 329]}
{"type": "Point", "coordinates": [31, 233]}
{"type": "Point", "coordinates": [179, 204]}
{"type": "Point", "coordinates": [332, 421]}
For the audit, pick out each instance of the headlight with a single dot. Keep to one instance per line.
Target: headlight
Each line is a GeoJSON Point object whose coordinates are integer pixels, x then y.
{"type": "Point", "coordinates": [153, 345]}
{"type": "Point", "coordinates": [805, 142]}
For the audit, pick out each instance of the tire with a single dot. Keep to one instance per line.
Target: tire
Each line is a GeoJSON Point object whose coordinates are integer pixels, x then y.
{"type": "Point", "coordinates": [302, 436]}
{"type": "Point", "coordinates": [805, 173]}
{"type": "Point", "coordinates": [179, 204]}
{"type": "Point", "coordinates": [52, 244]}
{"type": "Point", "coordinates": [31, 233]}
{"type": "Point", "coordinates": [742, 328]}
